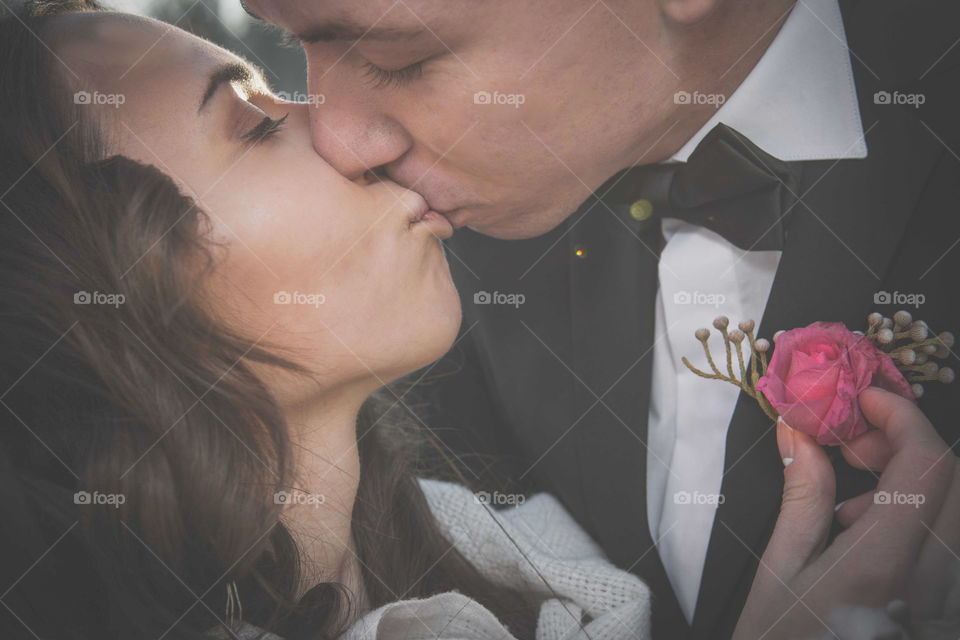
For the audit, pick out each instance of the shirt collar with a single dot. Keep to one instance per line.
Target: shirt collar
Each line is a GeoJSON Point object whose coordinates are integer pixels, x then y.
{"type": "Point", "coordinates": [800, 101]}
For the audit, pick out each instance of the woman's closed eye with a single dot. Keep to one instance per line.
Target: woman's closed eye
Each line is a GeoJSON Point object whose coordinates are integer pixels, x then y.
{"type": "Point", "coordinates": [264, 129]}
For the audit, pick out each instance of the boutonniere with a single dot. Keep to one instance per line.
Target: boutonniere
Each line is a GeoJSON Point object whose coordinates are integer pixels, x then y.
{"type": "Point", "coordinates": [815, 373]}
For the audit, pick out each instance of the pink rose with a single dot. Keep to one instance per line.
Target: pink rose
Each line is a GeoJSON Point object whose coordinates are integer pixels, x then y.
{"type": "Point", "coordinates": [816, 374]}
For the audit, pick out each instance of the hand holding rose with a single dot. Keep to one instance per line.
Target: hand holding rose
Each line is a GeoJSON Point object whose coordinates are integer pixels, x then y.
{"type": "Point", "coordinates": [890, 550]}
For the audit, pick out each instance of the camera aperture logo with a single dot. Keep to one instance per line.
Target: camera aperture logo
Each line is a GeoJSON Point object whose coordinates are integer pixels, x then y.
{"type": "Point", "coordinates": [699, 298]}
{"type": "Point", "coordinates": [96, 498]}
{"type": "Point", "coordinates": [311, 99]}
{"type": "Point", "coordinates": [299, 297]}
{"type": "Point", "coordinates": [498, 499]}
{"type": "Point", "coordinates": [510, 99]}
{"type": "Point", "coordinates": [697, 497]}
{"type": "Point", "coordinates": [97, 297]}
{"type": "Point", "coordinates": [299, 497]}
{"type": "Point", "coordinates": [899, 298]}
{"type": "Point", "coordinates": [886, 497]}
{"type": "Point", "coordinates": [497, 297]}
{"type": "Point", "coordinates": [97, 98]}
{"type": "Point", "coordinates": [909, 99]}
{"type": "Point", "coordinates": [715, 100]}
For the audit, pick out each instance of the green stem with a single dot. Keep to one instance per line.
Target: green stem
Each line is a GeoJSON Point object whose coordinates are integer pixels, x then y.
{"type": "Point", "coordinates": [743, 369]}
{"type": "Point", "coordinates": [706, 350]}
{"type": "Point", "coordinates": [726, 344]}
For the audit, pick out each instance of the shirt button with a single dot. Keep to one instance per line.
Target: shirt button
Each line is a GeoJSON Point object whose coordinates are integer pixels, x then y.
{"type": "Point", "coordinates": [641, 210]}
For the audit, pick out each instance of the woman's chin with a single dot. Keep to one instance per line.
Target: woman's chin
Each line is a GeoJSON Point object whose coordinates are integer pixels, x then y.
{"type": "Point", "coordinates": [435, 337]}
{"type": "Point", "coordinates": [443, 333]}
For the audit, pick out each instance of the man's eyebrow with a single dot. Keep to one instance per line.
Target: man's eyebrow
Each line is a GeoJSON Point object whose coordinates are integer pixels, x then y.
{"type": "Point", "coordinates": [344, 30]}
{"type": "Point", "coordinates": [227, 73]}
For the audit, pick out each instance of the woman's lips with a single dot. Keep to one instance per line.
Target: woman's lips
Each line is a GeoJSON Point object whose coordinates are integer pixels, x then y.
{"type": "Point", "coordinates": [437, 224]}
{"type": "Point", "coordinates": [425, 217]}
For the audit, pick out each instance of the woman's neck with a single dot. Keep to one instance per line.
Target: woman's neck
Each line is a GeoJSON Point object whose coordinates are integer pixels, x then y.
{"type": "Point", "coordinates": [327, 476]}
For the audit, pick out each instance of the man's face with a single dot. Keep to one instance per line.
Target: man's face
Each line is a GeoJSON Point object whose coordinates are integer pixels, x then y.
{"type": "Point", "coordinates": [504, 114]}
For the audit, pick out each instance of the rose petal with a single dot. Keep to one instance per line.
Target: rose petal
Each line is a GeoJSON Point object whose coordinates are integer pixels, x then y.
{"type": "Point", "coordinates": [816, 374]}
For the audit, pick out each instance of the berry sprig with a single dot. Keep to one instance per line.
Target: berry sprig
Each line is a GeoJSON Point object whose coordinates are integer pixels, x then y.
{"type": "Point", "coordinates": [913, 347]}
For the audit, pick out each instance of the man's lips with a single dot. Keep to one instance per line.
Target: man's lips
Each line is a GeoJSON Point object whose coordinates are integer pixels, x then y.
{"type": "Point", "coordinates": [457, 217]}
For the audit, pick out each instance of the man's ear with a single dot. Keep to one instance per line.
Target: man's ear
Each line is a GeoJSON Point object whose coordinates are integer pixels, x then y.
{"type": "Point", "coordinates": [687, 12]}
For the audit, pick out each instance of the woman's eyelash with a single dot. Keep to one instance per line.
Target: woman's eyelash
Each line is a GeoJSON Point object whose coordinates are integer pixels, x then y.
{"type": "Point", "coordinates": [383, 78]}
{"type": "Point", "coordinates": [267, 127]}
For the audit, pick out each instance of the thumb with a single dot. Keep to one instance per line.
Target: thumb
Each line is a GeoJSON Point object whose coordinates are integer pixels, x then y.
{"type": "Point", "coordinates": [806, 513]}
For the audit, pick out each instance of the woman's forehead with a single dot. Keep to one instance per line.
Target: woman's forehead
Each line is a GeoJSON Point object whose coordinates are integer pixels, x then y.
{"type": "Point", "coordinates": [113, 49]}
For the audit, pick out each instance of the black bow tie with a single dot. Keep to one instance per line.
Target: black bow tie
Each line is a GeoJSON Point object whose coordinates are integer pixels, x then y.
{"type": "Point", "coordinates": [729, 185]}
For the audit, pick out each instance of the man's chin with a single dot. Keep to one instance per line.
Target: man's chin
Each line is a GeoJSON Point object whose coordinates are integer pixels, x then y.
{"type": "Point", "coordinates": [503, 226]}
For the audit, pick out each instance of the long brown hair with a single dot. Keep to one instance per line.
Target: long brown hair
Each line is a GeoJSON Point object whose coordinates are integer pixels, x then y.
{"type": "Point", "coordinates": [139, 452]}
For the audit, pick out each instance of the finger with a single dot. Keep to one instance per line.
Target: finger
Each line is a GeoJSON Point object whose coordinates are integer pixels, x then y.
{"type": "Point", "coordinates": [921, 466]}
{"type": "Point", "coordinates": [870, 451]}
{"type": "Point", "coordinates": [807, 509]}
{"type": "Point", "coordinates": [900, 420]}
{"type": "Point", "coordinates": [910, 493]}
{"type": "Point", "coordinates": [850, 510]}
{"type": "Point", "coordinates": [938, 567]}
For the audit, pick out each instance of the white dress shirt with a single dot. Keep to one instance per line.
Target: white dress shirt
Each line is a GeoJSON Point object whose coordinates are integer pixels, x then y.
{"type": "Point", "coordinates": [798, 103]}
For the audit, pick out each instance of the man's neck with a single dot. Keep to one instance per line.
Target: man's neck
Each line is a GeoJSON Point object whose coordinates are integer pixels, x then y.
{"type": "Point", "coordinates": [720, 72]}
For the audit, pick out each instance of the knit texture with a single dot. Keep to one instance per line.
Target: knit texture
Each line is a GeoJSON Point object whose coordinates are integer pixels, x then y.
{"type": "Point", "coordinates": [526, 548]}
{"type": "Point", "coordinates": [547, 548]}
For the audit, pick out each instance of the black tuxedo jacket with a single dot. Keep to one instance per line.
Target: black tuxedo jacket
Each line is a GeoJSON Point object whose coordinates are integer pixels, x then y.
{"type": "Point", "coordinates": [557, 388]}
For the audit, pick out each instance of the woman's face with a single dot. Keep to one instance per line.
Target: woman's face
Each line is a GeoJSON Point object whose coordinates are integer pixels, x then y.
{"type": "Point", "coordinates": [336, 270]}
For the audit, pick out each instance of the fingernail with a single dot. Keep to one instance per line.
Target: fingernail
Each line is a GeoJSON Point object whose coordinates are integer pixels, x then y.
{"type": "Point", "coordinates": [785, 441]}
{"type": "Point", "coordinates": [839, 504]}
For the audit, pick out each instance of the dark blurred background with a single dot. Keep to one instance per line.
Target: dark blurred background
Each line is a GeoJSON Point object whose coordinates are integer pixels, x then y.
{"type": "Point", "coordinates": [225, 23]}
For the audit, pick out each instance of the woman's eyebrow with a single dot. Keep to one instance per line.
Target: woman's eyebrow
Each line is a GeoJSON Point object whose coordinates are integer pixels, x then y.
{"type": "Point", "coordinates": [344, 30]}
{"type": "Point", "coordinates": [229, 72]}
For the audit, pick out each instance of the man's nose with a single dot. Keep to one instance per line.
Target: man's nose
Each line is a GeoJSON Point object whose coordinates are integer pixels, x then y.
{"type": "Point", "coordinates": [354, 138]}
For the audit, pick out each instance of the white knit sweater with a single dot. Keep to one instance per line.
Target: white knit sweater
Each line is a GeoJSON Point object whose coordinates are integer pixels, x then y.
{"type": "Point", "coordinates": [610, 603]}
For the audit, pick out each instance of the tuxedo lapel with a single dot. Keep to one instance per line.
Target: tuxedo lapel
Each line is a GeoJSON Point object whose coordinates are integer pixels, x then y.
{"type": "Point", "coordinates": [525, 349]}
{"type": "Point", "coordinates": [840, 241]}
{"type": "Point", "coordinates": [613, 286]}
